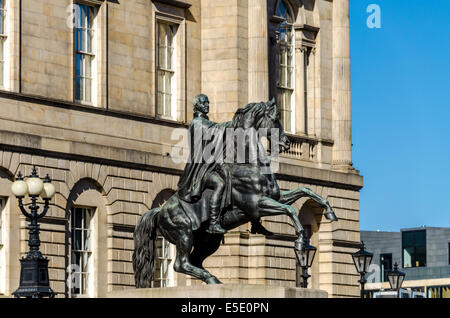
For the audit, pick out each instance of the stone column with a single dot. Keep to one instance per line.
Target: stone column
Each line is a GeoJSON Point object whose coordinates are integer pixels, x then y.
{"type": "Point", "coordinates": [342, 149]}
{"type": "Point", "coordinates": [300, 88]}
{"type": "Point", "coordinates": [258, 67]}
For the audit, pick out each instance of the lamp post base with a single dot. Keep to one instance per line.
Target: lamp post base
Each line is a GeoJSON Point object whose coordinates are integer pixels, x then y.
{"type": "Point", "coordinates": [34, 281]}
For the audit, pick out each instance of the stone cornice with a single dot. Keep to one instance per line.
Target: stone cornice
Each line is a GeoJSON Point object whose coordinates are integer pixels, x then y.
{"type": "Point", "coordinates": [175, 3]}
{"type": "Point", "coordinates": [89, 109]}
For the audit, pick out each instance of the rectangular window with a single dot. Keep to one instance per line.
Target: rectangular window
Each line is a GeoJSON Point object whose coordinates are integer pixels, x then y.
{"type": "Point", "coordinates": [84, 53]}
{"type": "Point", "coordinates": [81, 260]}
{"type": "Point", "coordinates": [166, 82]}
{"type": "Point", "coordinates": [164, 273]}
{"type": "Point", "coordinates": [285, 76]}
{"type": "Point", "coordinates": [3, 37]}
{"type": "Point", "coordinates": [2, 249]}
{"type": "Point", "coordinates": [386, 266]}
{"type": "Point", "coordinates": [439, 292]}
{"type": "Point", "coordinates": [414, 248]}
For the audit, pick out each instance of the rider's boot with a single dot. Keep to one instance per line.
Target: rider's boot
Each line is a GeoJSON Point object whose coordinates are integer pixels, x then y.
{"type": "Point", "coordinates": [214, 226]}
{"type": "Point", "coordinates": [258, 228]}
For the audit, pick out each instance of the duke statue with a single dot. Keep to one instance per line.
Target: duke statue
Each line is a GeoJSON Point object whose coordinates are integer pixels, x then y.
{"type": "Point", "coordinates": [204, 170]}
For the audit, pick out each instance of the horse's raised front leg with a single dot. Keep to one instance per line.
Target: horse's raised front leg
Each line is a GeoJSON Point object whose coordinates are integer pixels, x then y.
{"type": "Point", "coordinates": [270, 207]}
{"type": "Point", "coordinates": [289, 197]}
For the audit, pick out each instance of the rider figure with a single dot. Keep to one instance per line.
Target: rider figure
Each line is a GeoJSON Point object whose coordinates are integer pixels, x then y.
{"type": "Point", "coordinates": [199, 174]}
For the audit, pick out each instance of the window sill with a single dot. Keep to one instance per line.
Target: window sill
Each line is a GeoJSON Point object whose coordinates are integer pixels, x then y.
{"type": "Point", "coordinates": [79, 102]}
{"type": "Point", "coordinates": [166, 119]}
{"type": "Point", "coordinates": [310, 139]}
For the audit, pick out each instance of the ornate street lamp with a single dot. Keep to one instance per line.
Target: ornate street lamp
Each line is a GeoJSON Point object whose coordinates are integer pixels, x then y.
{"type": "Point", "coordinates": [34, 280]}
{"type": "Point", "coordinates": [396, 278]}
{"type": "Point", "coordinates": [305, 259]}
{"type": "Point", "coordinates": [362, 260]}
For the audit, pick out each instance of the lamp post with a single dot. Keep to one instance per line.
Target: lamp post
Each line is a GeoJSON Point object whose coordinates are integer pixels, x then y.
{"type": "Point", "coordinates": [305, 259]}
{"type": "Point", "coordinates": [396, 278]}
{"type": "Point", "coordinates": [34, 281]}
{"type": "Point", "coordinates": [362, 260]}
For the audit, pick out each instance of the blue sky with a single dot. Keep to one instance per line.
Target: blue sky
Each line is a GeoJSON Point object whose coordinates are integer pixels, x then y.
{"type": "Point", "coordinates": [401, 112]}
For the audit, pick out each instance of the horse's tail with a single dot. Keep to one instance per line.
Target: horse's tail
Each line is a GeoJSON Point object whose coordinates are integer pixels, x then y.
{"type": "Point", "coordinates": [145, 248]}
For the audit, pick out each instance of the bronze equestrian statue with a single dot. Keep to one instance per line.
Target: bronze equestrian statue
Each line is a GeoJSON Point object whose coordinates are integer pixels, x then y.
{"type": "Point", "coordinates": [199, 174]}
{"type": "Point", "coordinates": [184, 220]}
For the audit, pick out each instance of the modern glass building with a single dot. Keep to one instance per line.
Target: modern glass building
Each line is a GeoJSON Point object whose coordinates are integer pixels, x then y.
{"type": "Point", "coordinates": [422, 253]}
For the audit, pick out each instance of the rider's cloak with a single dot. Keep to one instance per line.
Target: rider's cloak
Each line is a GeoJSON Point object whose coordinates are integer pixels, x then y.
{"type": "Point", "coordinates": [205, 137]}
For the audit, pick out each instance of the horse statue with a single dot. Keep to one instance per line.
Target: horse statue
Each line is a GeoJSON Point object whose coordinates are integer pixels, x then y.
{"type": "Point", "coordinates": [255, 193]}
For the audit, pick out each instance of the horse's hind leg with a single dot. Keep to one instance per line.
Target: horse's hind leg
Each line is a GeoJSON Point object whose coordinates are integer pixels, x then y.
{"type": "Point", "coordinates": [180, 233]}
{"type": "Point", "coordinates": [204, 245]}
{"type": "Point", "coordinates": [184, 265]}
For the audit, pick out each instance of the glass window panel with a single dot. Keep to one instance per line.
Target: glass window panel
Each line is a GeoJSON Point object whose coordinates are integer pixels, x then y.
{"type": "Point", "coordinates": [386, 265]}
{"type": "Point", "coordinates": [414, 248]}
{"type": "Point", "coordinates": [1, 61]}
{"type": "Point", "coordinates": [160, 81]}
{"type": "Point", "coordinates": [169, 57]}
{"type": "Point", "coordinates": [288, 95]}
{"type": "Point", "coordinates": [283, 76]}
{"type": "Point", "coordinates": [162, 57]}
{"type": "Point", "coordinates": [77, 240]}
{"type": "Point", "coordinates": [88, 96]}
{"type": "Point", "coordinates": [79, 64]}
{"type": "Point", "coordinates": [167, 83]}
{"type": "Point", "coordinates": [289, 77]}
{"type": "Point", "coordinates": [2, 17]}
{"type": "Point", "coordinates": [87, 240]}
{"type": "Point", "coordinates": [446, 292]}
{"type": "Point", "coordinates": [280, 99]}
{"type": "Point", "coordinates": [76, 277]}
{"type": "Point", "coordinates": [78, 88]}
{"type": "Point", "coordinates": [160, 103]}
{"type": "Point", "coordinates": [77, 217]}
{"type": "Point", "coordinates": [83, 283]}
{"type": "Point", "coordinates": [84, 35]}
{"type": "Point", "coordinates": [165, 64]}
{"type": "Point", "coordinates": [84, 262]}
{"type": "Point", "coordinates": [283, 55]}
{"type": "Point", "coordinates": [82, 240]}
{"type": "Point", "coordinates": [433, 292]}
{"type": "Point", "coordinates": [167, 103]}
{"type": "Point", "coordinates": [170, 32]}
{"type": "Point", "coordinates": [75, 260]}
{"type": "Point", "coordinates": [89, 39]}
{"type": "Point", "coordinates": [162, 34]}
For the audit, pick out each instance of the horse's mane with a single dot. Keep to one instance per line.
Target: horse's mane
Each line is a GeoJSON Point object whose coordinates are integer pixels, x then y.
{"type": "Point", "coordinates": [249, 116]}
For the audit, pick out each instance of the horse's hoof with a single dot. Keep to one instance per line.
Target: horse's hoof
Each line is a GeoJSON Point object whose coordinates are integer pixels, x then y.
{"type": "Point", "coordinates": [330, 215]}
{"type": "Point", "coordinates": [213, 280]}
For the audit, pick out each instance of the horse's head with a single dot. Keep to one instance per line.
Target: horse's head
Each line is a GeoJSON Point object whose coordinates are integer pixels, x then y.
{"type": "Point", "coordinates": [272, 121]}
{"type": "Point", "coordinates": [265, 116]}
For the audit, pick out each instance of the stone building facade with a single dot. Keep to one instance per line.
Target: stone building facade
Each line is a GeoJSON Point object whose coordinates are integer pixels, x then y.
{"type": "Point", "coordinates": [94, 90]}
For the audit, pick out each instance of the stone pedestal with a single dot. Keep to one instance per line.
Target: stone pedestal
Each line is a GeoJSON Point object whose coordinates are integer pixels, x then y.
{"type": "Point", "coordinates": [220, 291]}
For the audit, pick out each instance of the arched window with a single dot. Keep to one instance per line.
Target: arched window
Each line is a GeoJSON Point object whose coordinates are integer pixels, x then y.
{"type": "Point", "coordinates": [82, 224]}
{"type": "Point", "coordinates": [2, 249]}
{"type": "Point", "coordinates": [285, 67]}
{"type": "Point", "coordinates": [165, 255]}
